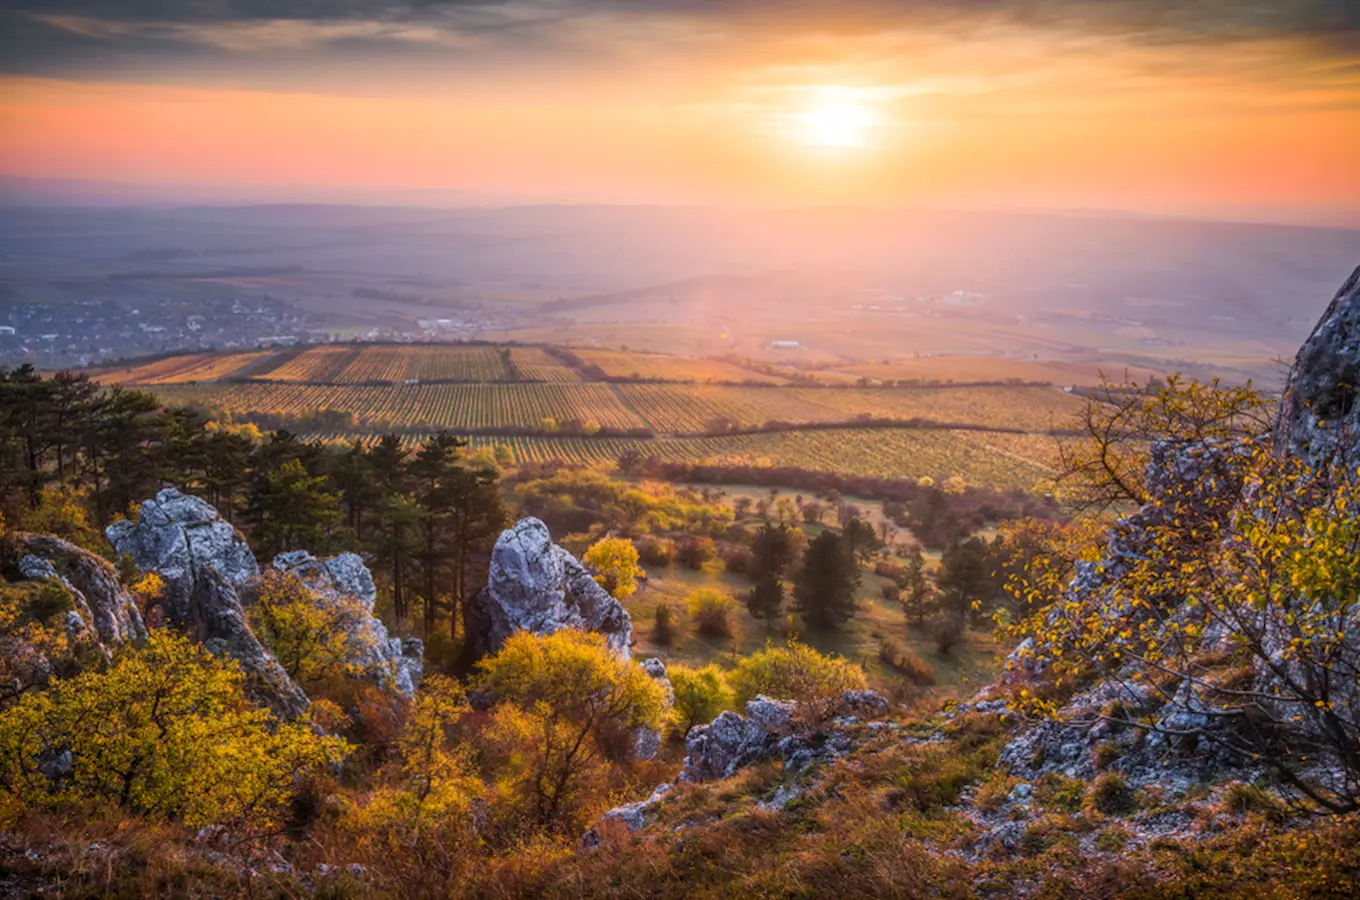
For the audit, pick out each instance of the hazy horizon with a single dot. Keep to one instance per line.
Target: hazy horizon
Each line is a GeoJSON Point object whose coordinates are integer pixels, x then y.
{"type": "Point", "coordinates": [1158, 107]}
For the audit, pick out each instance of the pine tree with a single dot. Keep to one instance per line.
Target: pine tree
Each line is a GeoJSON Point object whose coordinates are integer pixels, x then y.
{"type": "Point", "coordinates": [772, 549]}
{"type": "Point", "coordinates": [825, 592]}
{"type": "Point", "coordinates": [766, 599]}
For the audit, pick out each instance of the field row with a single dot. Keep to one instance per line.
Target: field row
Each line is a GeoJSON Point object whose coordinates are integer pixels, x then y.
{"type": "Point", "coordinates": [340, 364]}
{"type": "Point", "coordinates": [672, 408]}
{"type": "Point", "coordinates": [423, 406]}
{"type": "Point", "coordinates": [876, 452]}
{"type": "Point", "coordinates": [181, 369]}
{"type": "Point", "coordinates": [666, 409]}
{"type": "Point", "coordinates": [623, 364]}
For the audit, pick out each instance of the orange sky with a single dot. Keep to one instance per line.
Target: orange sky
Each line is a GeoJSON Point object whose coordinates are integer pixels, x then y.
{"type": "Point", "coordinates": [996, 114]}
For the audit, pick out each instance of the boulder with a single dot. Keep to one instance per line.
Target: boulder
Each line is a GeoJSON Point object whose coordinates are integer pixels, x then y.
{"type": "Point", "coordinates": [101, 601]}
{"type": "Point", "coordinates": [536, 586]}
{"type": "Point", "coordinates": [101, 615]}
{"type": "Point", "coordinates": [1319, 420]}
{"type": "Point", "coordinates": [634, 816]}
{"type": "Point", "coordinates": [394, 662]}
{"type": "Point", "coordinates": [647, 741]}
{"type": "Point", "coordinates": [180, 537]}
{"type": "Point", "coordinates": [206, 563]}
{"type": "Point", "coordinates": [731, 741]}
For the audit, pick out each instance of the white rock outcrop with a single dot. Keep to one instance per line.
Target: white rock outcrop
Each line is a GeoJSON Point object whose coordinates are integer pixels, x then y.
{"type": "Point", "coordinates": [395, 662]}
{"type": "Point", "coordinates": [536, 586]}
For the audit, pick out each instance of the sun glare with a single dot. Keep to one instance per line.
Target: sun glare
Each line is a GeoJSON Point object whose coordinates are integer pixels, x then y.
{"type": "Point", "coordinates": [834, 122]}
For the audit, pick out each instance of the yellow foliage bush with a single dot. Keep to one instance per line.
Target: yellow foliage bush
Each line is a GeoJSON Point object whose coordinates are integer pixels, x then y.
{"type": "Point", "coordinates": [614, 562]}
{"type": "Point", "coordinates": [796, 672]}
{"type": "Point", "coordinates": [557, 698]}
{"type": "Point", "coordinates": [167, 733]}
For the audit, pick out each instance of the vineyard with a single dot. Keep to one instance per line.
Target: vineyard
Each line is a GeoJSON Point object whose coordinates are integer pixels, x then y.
{"type": "Point", "coordinates": [181, 369]}
{"type": "Point", "coordinates": [423, 406]}
{"type": "Point", "coordinates": [691, 408]}
{"type": "Point", "coordinates": [403, 363]}
{"type": "Point", "coordinates": [344, 391]}
{"type": "Point", "coordinates": [892, 453]}
{"type": "Point", "coordinates": [659, 367]}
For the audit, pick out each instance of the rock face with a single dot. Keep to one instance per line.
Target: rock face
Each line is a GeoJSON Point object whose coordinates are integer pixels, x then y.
{"type": "Point", "coordinates": [183, 538]}
{"type": "Point", "coordinates": [205, 563]}
{"type": "Point", "coordinates": [537, 586]}
{"type": "Point", "coordinates": [1319, 417]}
{"type": "Point", "coordinates": [391, 661]}
{"type": "Point", "coordinates": [1319, 424]}
{"type": "Point", "coordinates": [647, 741]}
{"type": "Point", "coordinates": [100, 618]}
{"type": "Point", "coordinates": [210, 574]}
{"type": "Point", "coordinates": [101, 602]}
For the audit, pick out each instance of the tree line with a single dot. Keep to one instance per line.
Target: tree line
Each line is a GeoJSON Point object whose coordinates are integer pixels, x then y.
{"type": "Point", "coordinates": [427, 518]}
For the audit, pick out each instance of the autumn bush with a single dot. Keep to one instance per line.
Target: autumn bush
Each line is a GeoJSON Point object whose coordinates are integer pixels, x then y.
{"type": "Point", "coordinates": [901, 658]}
{"type": "Point", "coordinates": [796, 672]}
{"type": "Point", "coordinates": [654, 551]}
{"type": "Point", "coordinates": [700, 695]}
{"type": "Point", "coordinates": [557, 696]}
{"type": "Point", "coordinates": [311, 636]}
{"type": "Point", "coordinates": [1253, 562]}
{"type": "Point", "coordinates": [167, 733]}
{"type": "Point", "coordinates": [714, 613]}
{"type": "Point", "coordinates": [614, 563]}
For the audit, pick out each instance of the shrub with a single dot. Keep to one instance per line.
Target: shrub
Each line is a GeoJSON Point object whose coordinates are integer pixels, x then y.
{"type": "Point", "coordinates": [738, 560]}
{"type": "Point", "coordinates": [658, 552]}
{"type": "Point", "coordinates": [1104, 753]}
{"type": "Point", "coordinates": [614, 562]}
{"type": "Point", "coordinates": [1111, 795]}
{"type": "Point", "coordinates": [556, 696]}
{"type": "Point", "coordinates": [903, 659]}
{"type": "Point", "coordinates": [714, 613]}
{"type": "Point", "coordinates": [696, 551]}
{"type": "Point", "coordinates": [1060, 792]}
{"type": "Point", "coordinates": [1112, 840]}
{"type": "Point", "coordinates": [1243, 798]}
{"type": "Point", "coordinates": [993, 794]}
{"type": "Point", "coordinates": [312, 638]}
{"type": "Point", "coordinates": [666, 627]}
{"type": "Point", "coordinates": [947, 633]}
{"type": "Point", "coordinates": [166, 732]}
{"type": "Point", "coordinates": [796, 672]}
{"type": "Point", "coordinates": [700, 695]}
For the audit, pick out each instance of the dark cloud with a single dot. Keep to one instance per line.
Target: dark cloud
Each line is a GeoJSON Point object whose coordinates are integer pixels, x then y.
{"type": "Point", "coordinates": [71, 37]}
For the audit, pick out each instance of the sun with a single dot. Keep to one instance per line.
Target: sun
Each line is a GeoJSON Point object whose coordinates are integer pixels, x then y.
{"type": "Point", "coordinates": [834, 122]}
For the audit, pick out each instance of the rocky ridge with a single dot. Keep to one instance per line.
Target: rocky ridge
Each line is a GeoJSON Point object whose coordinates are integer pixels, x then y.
{"type": "Point", "coordinates": [210, 576]}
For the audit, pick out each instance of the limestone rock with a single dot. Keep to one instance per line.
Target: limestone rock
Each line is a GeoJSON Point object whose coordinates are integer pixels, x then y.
{"type": "Point", "coordinates": [220, 623]}
{"type": "Point", "coordinates": [647, 741]}
{"type": "Point", "coordinates": [205, 563]}
{"type": "Point", "coordinates": [1319, 418]}
{"type": "Point", "coordinates": [730, 741]}
{"type": "Point", "coordinates": [180, 537]}
{"type": "Point", "coordinates": [101, 601]}
{"type": "Point", "coordinates": [536, 586]}
{"type": "Point", "coordinates": [393, 662]}
{"type": "Point", "coordinates": [634, 816]}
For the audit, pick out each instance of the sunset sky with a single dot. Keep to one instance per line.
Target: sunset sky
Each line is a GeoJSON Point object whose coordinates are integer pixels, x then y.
{"type": "Point", "coordinates": [1217, 108]}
